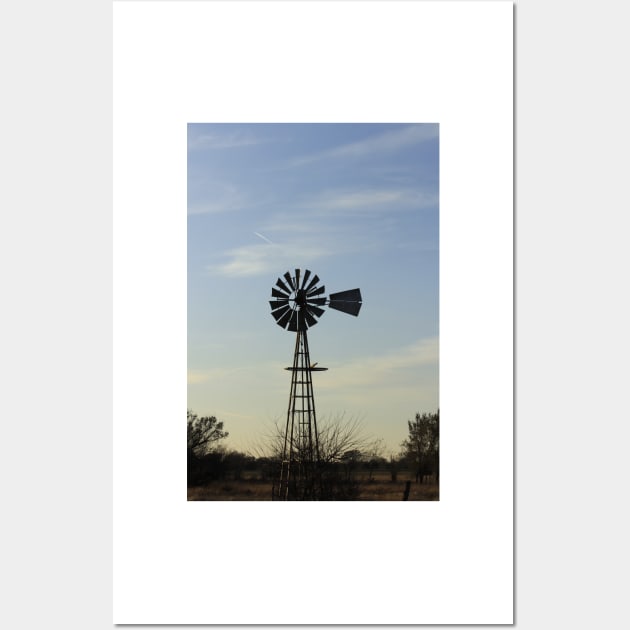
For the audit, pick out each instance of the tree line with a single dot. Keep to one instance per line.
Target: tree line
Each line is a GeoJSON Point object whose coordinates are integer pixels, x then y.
{"type": "Point", "coordinates": [344, 451]}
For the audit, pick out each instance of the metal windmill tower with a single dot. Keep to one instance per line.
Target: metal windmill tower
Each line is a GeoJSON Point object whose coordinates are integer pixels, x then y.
{"type": "Point", "coordinates": [297, 307]}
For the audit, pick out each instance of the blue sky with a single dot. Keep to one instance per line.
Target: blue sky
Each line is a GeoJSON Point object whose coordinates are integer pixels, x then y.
{"type": "Point", "coordinates": [357, 204]}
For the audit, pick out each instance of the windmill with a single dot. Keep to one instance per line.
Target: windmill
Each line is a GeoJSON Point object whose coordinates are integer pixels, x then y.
{"type": "Point", "coordinates": [297, 307]}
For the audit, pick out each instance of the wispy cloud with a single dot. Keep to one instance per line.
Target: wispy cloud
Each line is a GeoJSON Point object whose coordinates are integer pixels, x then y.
{"type": "Point", "coordinates": [197, 377]}
{"type": "Point", "coordinates": [213, 207]}
{"type": "Point", "coordinates": [368, 200]}
{"type": "Point", "coordinates": [386, 370]}
{"type": "Point", "coordinates": [315, 228]}
{"type": "Point", "coordinates": [218, 198]}
{"type": "Point", "coordinates": [319, 215]}
{"type": "Point", "coordinates": [259, 258]}
{"type": "Point", "coordinates": [230, 140]}
{"type": "Point", "coordinates": [387, 141]}
{"type": "Point", "coordinates": [388, 387]}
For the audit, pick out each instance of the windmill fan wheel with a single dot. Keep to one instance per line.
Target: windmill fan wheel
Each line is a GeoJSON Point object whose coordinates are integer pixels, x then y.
{"type": "Point", "coordinates": [298, 301]}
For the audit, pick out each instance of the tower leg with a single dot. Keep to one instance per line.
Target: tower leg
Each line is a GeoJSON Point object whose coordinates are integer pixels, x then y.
{"type": "Point", "coordinates": [299, 475]}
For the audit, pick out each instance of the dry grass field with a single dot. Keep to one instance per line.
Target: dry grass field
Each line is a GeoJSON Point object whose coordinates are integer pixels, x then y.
{"type": "Point", "coordinates": [381, 488]}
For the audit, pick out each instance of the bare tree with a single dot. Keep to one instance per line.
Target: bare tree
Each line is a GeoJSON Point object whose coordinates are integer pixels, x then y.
{"type": "Point", "coordinates": [340, 442]}
{"type": "Point", "coordinates": [336, 436]}
{"type": "Point", "coordinates": [203, 433]}
{"type": "Point", "coordinates": [205, 457]}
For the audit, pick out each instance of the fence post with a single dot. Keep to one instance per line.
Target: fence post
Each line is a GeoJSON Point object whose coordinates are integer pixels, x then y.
{"type": "Point", "coordinates": [407, 488]}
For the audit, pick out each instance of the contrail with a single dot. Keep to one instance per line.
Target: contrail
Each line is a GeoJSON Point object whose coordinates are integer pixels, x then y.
{"type": "Point", "coordinates": [264, 238]}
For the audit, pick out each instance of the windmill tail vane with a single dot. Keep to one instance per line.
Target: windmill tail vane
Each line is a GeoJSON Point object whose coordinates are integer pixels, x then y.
{"type": "Point", "coordinates": [297, 307]}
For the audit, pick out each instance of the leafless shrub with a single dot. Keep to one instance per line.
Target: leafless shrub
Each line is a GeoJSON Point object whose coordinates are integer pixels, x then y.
{"type": "Point", "coordinates": [336, 436]}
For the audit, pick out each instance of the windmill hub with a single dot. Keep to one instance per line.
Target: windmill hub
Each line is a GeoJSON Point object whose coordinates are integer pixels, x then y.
{"type": "Point", "coordinates": [300, 298]}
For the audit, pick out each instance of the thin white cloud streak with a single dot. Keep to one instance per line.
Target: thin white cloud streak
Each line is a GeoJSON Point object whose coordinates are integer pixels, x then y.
{"type": "Point", "coordinates": [258, 259]}
{"type": "Point", "coordinates": [370, 201]}
{"type": "Point", "coordinates": [388, 141]}
{"type": "Point", "coordinates": [264, 238]}
{"type": "Point", "coordinates": [319, 213]}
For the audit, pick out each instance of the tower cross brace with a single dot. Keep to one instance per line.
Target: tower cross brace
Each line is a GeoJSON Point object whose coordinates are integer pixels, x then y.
{"type": "Point", "coordinates": [300, 467]}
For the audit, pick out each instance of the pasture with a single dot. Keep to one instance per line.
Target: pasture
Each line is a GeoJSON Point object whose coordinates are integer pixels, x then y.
{"type": "Point", "coordinates": [380, 488]}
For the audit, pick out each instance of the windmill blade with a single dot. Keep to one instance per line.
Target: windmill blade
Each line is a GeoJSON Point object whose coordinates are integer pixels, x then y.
{"type": "Point", "coordinates": [283, 286]}
{"type": "Point", "coordinates": [346, 301]}
{"type": "Point", "coordinates": [301, 320]}
{"type": "Point", "coordinates": [317, 311]}
{"type": "Point", "coordinates": [310, 320]}
{"type": "Point", "coordinates": [289, 279]}
{"type": "Point", "coordinates": [278, 303]}
{"type": "Point", "coordinates": [320, 301]}
{"type": "Point", "coordinates": [277, 315]}
{"type": "Point", "coordinates": [312, 283]}
{"type": "Point", "coordinates": [307, 274]}
{"type": "Point", "coordinates": [293, 322]}
{"type": "Point", "coordinates": [282, 321]}
{"type": "Point", "coordinates": [279, 294]}
{"type": "Point", "coordinates": [316, 291]}
{"type": "Point", "coordinates": [297, 279]}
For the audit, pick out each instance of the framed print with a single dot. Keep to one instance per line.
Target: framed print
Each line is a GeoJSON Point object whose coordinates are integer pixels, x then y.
{"type": "Point", "coordinates": [369, 144]}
